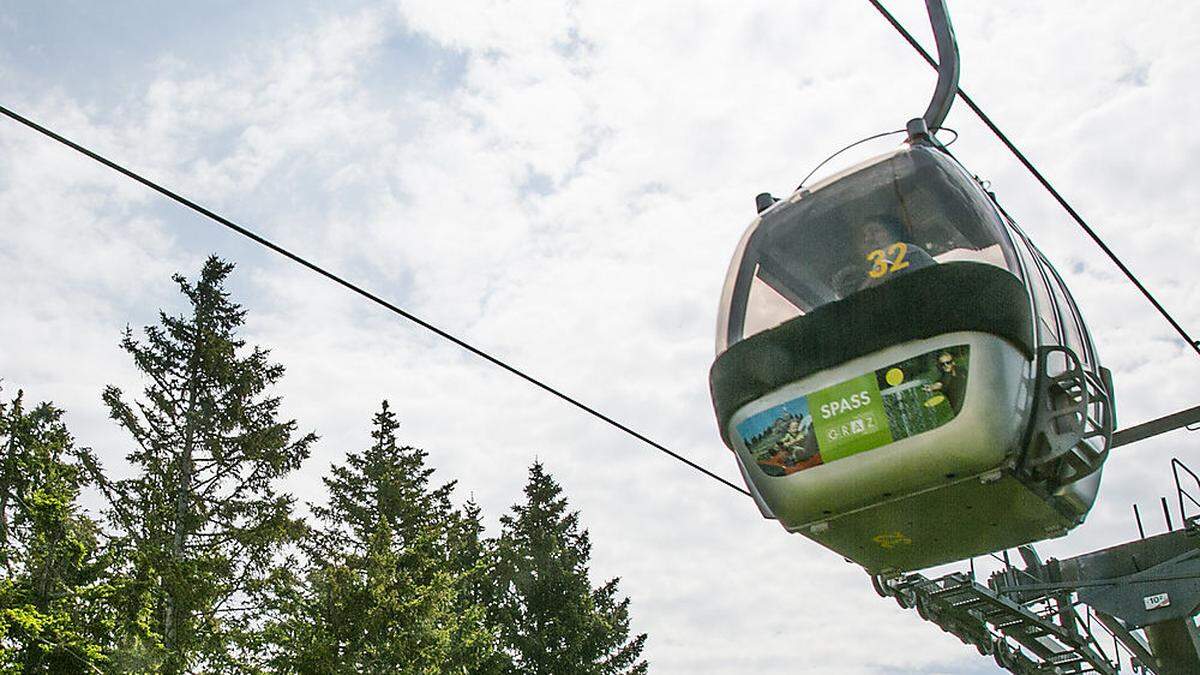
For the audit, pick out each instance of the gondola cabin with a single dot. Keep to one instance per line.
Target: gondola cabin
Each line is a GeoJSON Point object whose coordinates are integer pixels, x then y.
{"type": "Point", "coordinates": [902, 375]}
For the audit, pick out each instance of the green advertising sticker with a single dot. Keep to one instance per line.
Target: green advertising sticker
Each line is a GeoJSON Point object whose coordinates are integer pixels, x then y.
{"type": "Point", "coordinates": [869, 411]}
{"type": "Point", "coordinates": [849, 418]}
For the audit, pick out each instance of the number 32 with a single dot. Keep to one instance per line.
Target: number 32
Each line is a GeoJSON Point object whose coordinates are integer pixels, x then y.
{"type": "Point", "coordinates": [886, 263]}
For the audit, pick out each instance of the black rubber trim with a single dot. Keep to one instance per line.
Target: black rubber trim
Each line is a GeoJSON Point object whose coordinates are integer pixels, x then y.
{"type": "Point", "coordinates": [945, 298]}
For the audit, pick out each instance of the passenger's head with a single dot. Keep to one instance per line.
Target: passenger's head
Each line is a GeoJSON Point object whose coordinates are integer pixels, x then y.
{"type": "Point", "coordinates": [879, 231]}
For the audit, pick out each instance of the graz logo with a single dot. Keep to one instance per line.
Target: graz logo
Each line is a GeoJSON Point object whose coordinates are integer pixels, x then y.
{"type": "Point", "coordinates": [859, 425]}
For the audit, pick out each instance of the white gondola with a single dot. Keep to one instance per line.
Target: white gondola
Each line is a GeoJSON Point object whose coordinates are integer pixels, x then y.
{"type": "Point", "coordinates": [901, 374]}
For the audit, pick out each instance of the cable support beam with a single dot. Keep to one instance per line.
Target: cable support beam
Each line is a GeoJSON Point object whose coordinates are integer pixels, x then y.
{"type": "Point", "coordinates": [1043, 180]}
{"type": "Point", "coordinates": [1161, 425]}
{"type": "Point", "coordinates": [259, 239]}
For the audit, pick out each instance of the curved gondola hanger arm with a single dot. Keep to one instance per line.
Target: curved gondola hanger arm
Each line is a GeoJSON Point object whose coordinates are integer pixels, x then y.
{"type": "Point", "coordinates": [947, 69]}
{"type": "Point", "coordinates": [939, 106]}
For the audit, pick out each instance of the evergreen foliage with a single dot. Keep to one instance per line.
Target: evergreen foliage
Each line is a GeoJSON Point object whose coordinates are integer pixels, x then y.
{"type": "Point", "coordinates": [552, 620]}
{"type": "Point", "coordinates": [392, 580]}
{"type": "Point", "coordinates": [56, 614]}
{"type": "Point", "coordinates": [200, 565]}
{"type": "Point", "coordinates": [200, 523]}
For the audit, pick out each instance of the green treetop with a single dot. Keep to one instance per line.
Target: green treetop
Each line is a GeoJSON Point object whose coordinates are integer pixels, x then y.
{"type": "Point", "coordinates": [552, 619]}
{"type": "Point", "coordinates": [389, 581]}
{"type": "Point", "coordinates": [55, 609]}
{"type": "Point", "coordinates": [200, 520]}
{"type": "Point", "coordinates": [388, 481]}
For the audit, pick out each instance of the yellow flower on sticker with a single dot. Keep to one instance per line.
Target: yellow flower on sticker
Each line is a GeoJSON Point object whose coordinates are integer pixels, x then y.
{"type": "Point", "coordinates": [890, 540]}
{"type": "Point", "coordinates": [894, 376]}
{"type": "Point", "coordinates": [934, 400]}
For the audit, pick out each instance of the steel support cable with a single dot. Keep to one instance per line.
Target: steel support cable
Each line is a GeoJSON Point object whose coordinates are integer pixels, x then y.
{"type": "Point", "coordinates": [364, 293]}
{"type": "Point", "coordinates": [1042, 179]}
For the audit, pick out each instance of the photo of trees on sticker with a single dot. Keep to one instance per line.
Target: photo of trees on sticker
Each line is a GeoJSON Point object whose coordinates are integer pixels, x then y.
{"type": "Point", "coordinates": [924, 392]}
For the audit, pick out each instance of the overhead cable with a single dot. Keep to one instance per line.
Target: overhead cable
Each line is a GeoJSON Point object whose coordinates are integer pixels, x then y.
{"type": "Point", "coordinates": [1042, 179]}
{"type": "Point", "coordinates": [364, 293]}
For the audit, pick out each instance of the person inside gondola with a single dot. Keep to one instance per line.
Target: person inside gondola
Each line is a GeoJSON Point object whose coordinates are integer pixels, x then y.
{"type": "Point", "coordinates": [880, 253]}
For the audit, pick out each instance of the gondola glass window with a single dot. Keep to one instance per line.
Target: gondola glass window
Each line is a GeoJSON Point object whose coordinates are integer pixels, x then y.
{"type": "Point", "coordinates": [859, 229]}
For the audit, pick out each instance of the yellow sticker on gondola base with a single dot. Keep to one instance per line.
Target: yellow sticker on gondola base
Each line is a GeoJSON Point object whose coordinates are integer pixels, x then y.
{"type": "Point", "coordinates": [890, 540]}
{"type": "Point", "coordinates": [894, 377]}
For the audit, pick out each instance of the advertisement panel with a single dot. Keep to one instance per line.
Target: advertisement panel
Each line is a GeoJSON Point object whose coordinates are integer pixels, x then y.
{"type": "Point", "coordinates": [869, 411]}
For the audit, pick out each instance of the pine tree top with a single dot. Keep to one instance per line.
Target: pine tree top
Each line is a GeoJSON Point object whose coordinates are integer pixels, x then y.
{"type": "Point", "coordinates": [552, 618]}
{"type": "Point", "coordinates": [386, 479]}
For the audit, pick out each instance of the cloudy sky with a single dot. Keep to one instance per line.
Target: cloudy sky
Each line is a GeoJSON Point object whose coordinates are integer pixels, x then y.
{"type": "Point", "coordinates": [562, 184]}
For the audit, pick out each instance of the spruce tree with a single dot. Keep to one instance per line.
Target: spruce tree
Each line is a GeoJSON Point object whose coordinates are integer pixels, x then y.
{"type": "Point", "coordinates": [387, 480]}
{"type": "Point", "coordinates": [201, 520]}
{"type": "Point", "coordinates": [388, 586]}
{"type": "Point", "coordinates": [472, 555]}
{"type": "Point", "coordinates": [55, 613]}
{"type": "Point", "coordinates": [552, 619]}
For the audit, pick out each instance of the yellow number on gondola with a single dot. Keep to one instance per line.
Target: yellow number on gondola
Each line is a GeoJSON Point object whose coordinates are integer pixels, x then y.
{"type": "Point", "coordinates": [883, 265]}
{"type": "Point", "coordinates": [898, 251]}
